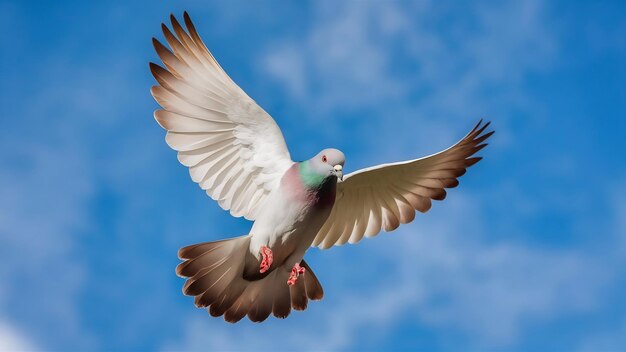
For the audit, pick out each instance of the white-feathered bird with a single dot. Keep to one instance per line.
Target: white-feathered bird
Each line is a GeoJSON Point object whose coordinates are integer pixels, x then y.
{"type": "Point", "coordinates": [236, 153]}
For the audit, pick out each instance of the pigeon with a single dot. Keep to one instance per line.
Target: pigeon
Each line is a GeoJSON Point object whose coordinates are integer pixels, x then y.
{"type": "Point", "coordinates": [236, 152]}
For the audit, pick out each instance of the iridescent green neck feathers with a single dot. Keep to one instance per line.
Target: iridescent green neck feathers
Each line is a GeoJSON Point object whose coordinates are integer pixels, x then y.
{"type": "Point", "coordinates": [310, 178]}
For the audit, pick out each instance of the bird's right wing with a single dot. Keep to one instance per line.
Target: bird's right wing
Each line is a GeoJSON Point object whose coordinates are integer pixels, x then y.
{"type": "Point", "coordinates": [234, 150]}
{"type": "Point", "coordinates": [384, 196]}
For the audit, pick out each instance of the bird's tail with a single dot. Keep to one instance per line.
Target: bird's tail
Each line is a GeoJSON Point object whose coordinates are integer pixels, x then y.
{"type": "Point", "coordinates": [215, 277]}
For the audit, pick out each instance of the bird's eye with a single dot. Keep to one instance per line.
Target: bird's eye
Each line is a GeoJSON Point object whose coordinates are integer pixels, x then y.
{"type": "Point", "coordinates": [324, 159]}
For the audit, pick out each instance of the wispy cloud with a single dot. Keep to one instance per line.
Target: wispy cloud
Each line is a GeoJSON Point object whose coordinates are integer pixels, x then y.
{"type": "Point", "coordinates": [41, 211]}
{"type": "Point", "coordinates": [338, 65]}
{"type": "Point", "coordinates": [491, 290]}
{"type": "Point", "coordinates": [12, 340]}
{"type": "Point", "coordinates": [48, 183]}
{"type": "Point", "coordinates": [346, 61]}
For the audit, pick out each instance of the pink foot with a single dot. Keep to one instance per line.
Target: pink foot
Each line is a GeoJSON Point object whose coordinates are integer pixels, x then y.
{"type": "Point", "coordinates": [268, 258]}
{"type": "Point", "coordinates": [296, 271]}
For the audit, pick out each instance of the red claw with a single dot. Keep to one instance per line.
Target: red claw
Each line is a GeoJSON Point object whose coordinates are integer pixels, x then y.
{"type": "Point", "coordinates": [268, 258]}
{"type": "Point", "coordinates": [296, 271]}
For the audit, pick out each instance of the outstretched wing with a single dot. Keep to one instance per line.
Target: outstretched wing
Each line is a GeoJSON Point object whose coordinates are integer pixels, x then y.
{"type": "Point", "coordinates": [385, 196]}
{"type": "Point", "coordinates": [234, 150]}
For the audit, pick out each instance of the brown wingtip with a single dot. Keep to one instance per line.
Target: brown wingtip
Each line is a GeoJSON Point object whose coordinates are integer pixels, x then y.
{"type": "Point", "coordinates": [476, 126]}
{"type": "Point", "coordinates": [155, 69]}
{"type": "Point", "coordinates": [489, 134]}
{"type": "Point", "coordinates": [156, 43]}
{"type": "Point", "coordinates": [481, 129]}
{"type": "Point", "coordinates": [479, 139]}
{"type": "Point", "coordinates": [186, 18]}
{"type": "Point", "coordinates": [192, 29]}
{"type": "Point", "coordinates": [175, 24]}
{"type": "Point", "coordinates": [480, 147]}
{"type": "Point", "coordinates": [166, 30]}
{"type": "Point", "coordinates": [471, 161]}
{"type": "Point", "coordinates": [173, 19]}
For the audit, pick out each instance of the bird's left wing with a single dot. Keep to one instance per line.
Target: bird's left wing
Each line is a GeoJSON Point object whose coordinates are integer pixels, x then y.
{"type": "Point", "coordinates": [385, 196]}
{"type": "Point", "coordinates": [234, 150]}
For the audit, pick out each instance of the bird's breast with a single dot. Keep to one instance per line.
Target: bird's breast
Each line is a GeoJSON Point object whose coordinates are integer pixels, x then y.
{"type": "Point", "coordinates": [292, 217]}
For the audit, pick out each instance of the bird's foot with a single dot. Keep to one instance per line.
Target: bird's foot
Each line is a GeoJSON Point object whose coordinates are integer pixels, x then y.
{"type": "Point", "coordinates": [268, 258]}
{"type": "Point", "coordinates": [296, 271]}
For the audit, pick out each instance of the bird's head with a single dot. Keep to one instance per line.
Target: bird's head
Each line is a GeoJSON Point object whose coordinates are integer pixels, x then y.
{"type": "Point", "coordinates": [327, 163]}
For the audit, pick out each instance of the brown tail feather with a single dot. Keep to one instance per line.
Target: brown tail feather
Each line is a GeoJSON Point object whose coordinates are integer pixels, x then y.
{"type": "Point", "coordinates": [299, 298]}
{"type": "Point", "coordinates": [314, 289]}
{"type": "Point", "coordinates": [215, 277]}
{"type": "Point", "coordinates": [211, 268]}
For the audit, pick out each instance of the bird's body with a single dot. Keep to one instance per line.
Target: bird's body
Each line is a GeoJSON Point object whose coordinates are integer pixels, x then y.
{"type": "Point", "coordinates": [297, 212]}
{"type": "Point", "coordinates": [236, 153]}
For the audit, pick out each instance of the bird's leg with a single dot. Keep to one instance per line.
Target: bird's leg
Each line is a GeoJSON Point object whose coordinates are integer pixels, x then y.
{"type": "Point", "coordinates": [296, 271]}
{"type": "Point", "coordinates": [268, 258]}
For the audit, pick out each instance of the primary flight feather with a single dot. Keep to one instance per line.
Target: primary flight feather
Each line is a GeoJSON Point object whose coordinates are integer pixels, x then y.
{"type": "Point", "coordinates": [236, 153]}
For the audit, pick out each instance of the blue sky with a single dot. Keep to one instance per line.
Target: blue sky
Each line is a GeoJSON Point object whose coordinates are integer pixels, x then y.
{"type": "Point", "coordinates": [529, 253]}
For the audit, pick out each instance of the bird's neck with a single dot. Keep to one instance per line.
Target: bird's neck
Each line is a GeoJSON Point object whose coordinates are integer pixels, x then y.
{"type": "Point", "coordinates": [303, 185]}
{"type": "Point", "coordinates": [320, 189]}
{"type": "Point", "coordinates": [311, 179]}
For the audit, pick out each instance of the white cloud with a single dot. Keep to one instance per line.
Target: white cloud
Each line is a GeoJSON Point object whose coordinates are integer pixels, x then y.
{"type": "Point", "coordinates": [12, 340]}
{"type": "Point", "coordinates": [337, 65]}
{"type": "Point", "coordinates": [47, 184]}
{"type": "Point", "coordinates": [42, 210]}
{"type": "Point", "coordinates": [492, 290]}
{"type": "Point", "coordinates": [347, 59]}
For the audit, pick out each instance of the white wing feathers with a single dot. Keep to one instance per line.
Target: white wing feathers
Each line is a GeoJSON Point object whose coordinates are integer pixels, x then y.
{"type": "Point", "coordinates": [234, 150]}
{"type": "Point", "coordinates": [385, 196]}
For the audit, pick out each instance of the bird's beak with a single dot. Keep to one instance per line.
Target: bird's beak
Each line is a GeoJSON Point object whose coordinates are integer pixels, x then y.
{"type": "Point", "coordinates": [339, 172]}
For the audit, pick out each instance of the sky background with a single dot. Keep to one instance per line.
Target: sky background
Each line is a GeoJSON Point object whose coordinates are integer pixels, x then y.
{"type": "Point", "coordinates": [528, 253]}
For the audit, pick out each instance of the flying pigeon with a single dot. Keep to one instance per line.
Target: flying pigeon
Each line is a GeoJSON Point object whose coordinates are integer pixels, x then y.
{"type": "Point", "coordinates": [236, 152]}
